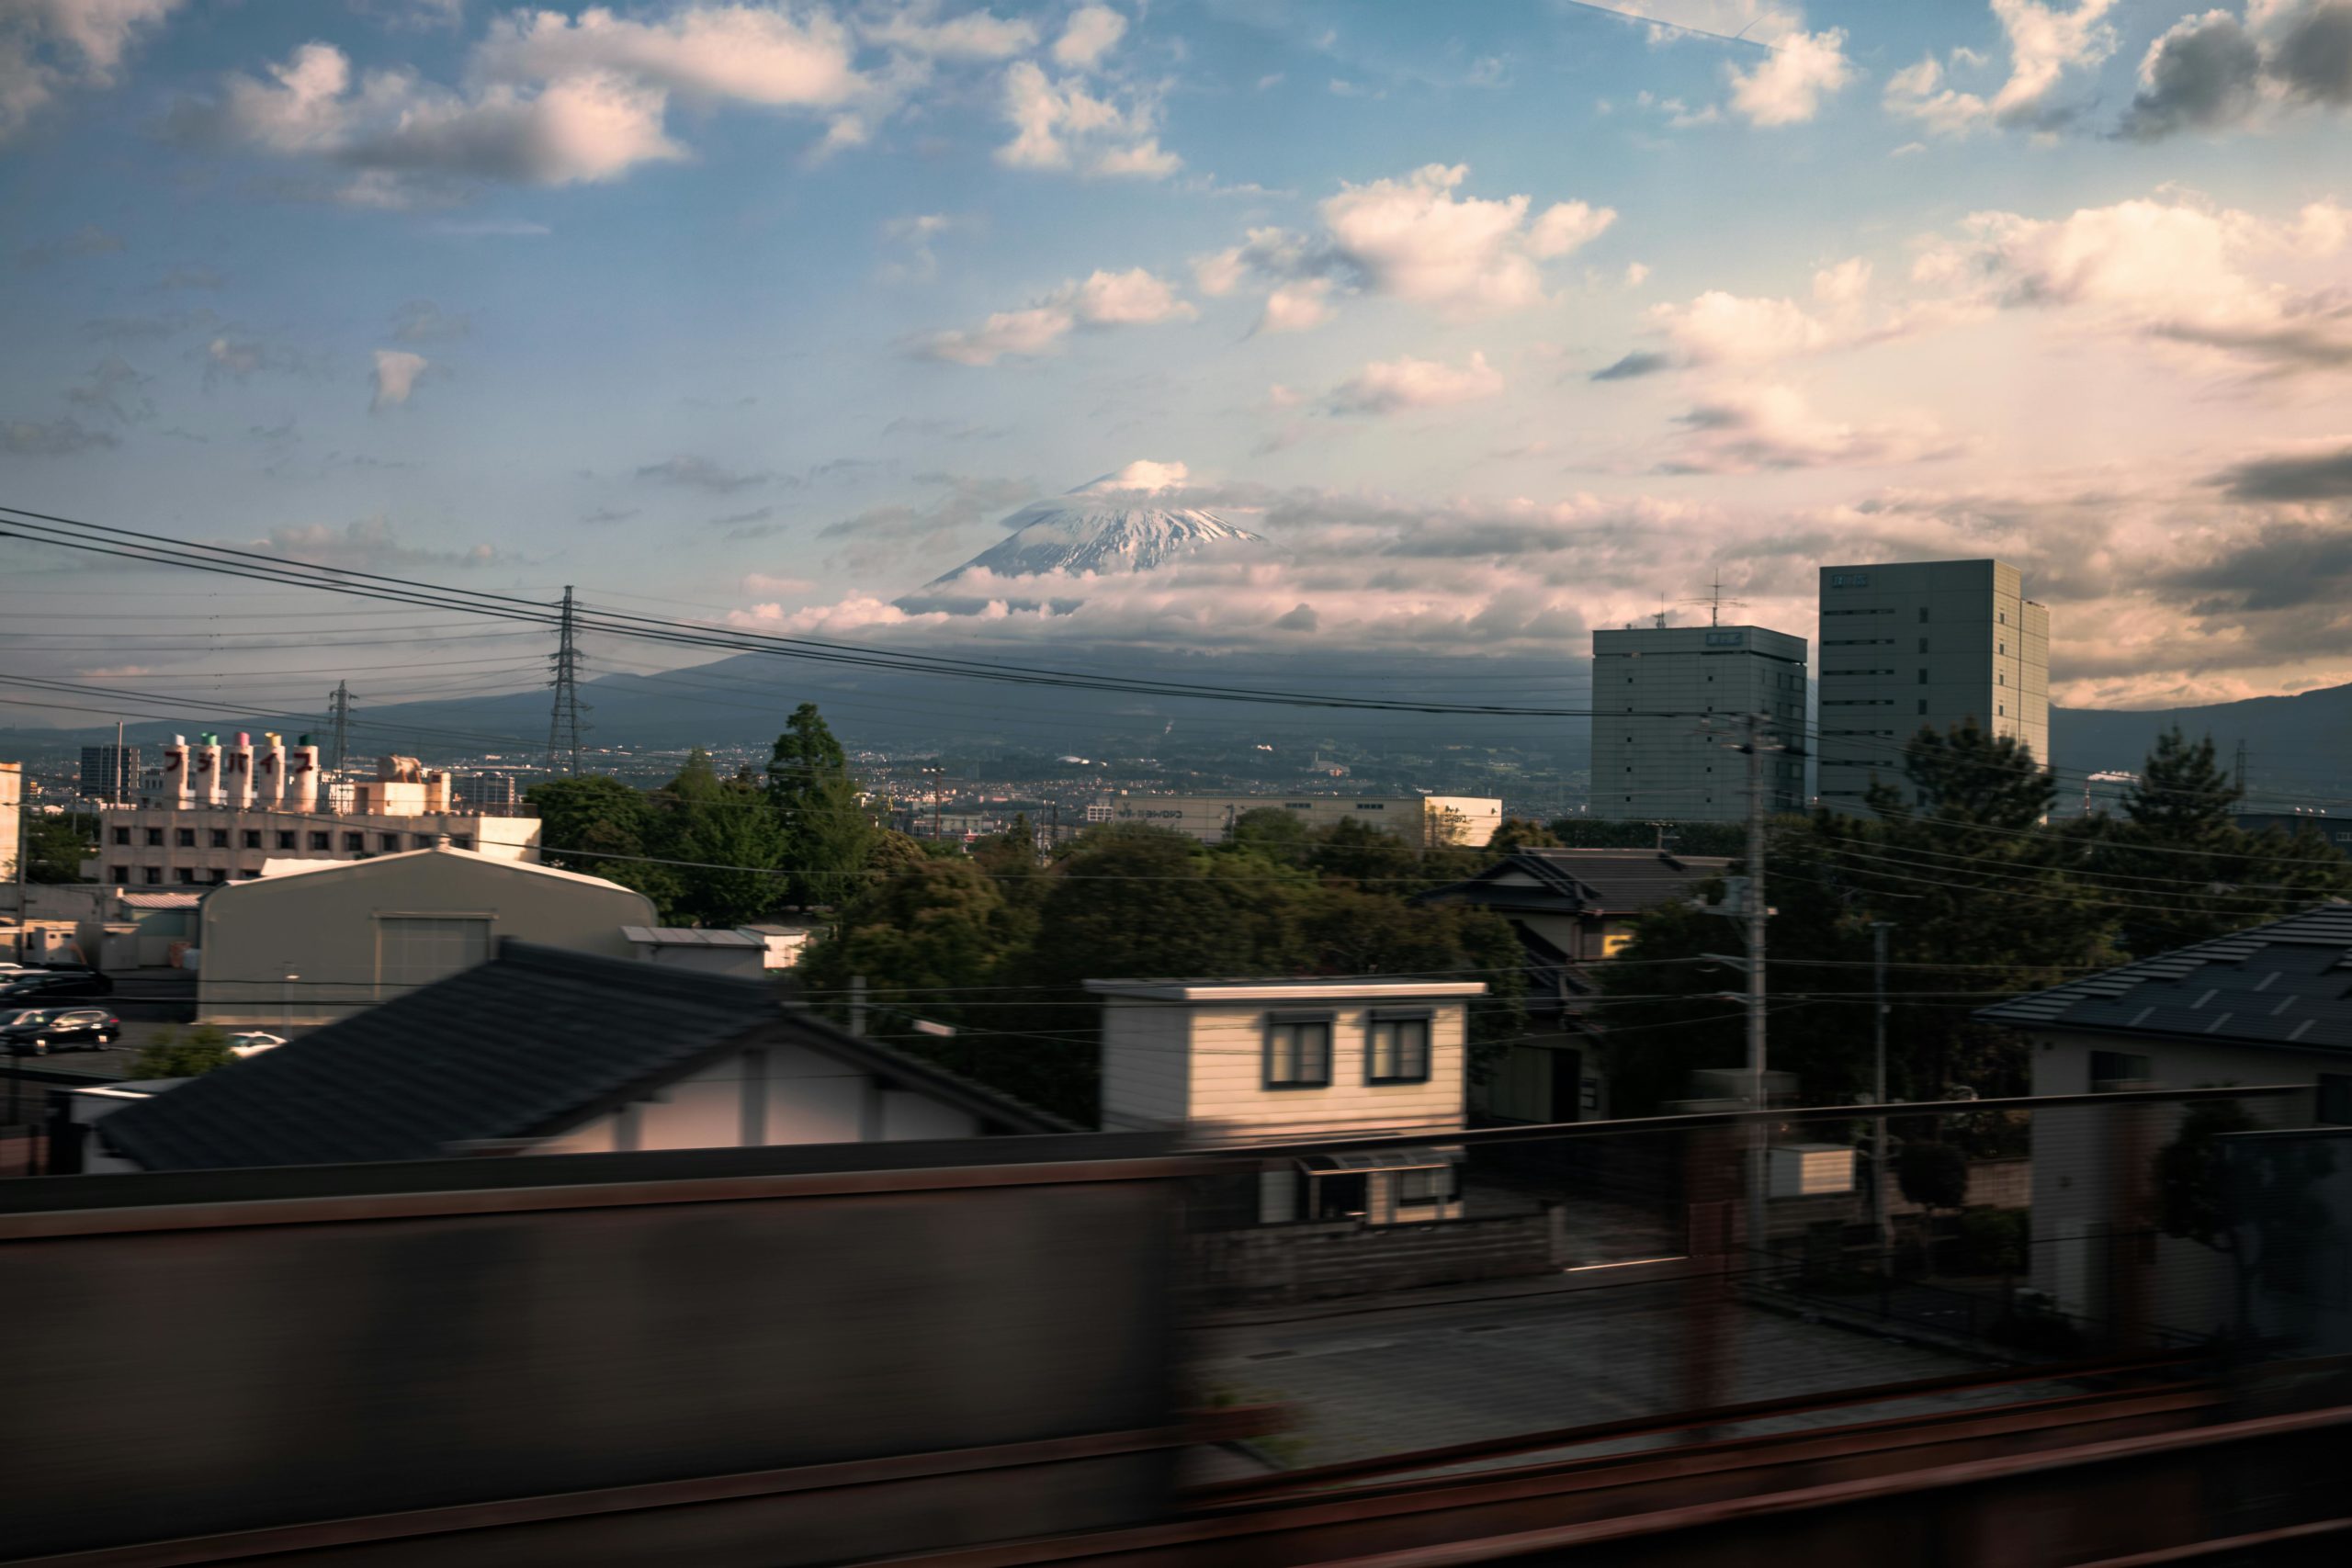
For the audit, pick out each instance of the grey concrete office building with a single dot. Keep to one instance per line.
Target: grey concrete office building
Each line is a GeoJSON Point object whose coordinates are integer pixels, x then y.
{"type": "Point", "coordinates": [1654, 754]}
{"type": "Point", "coordinates": [1920, 643]}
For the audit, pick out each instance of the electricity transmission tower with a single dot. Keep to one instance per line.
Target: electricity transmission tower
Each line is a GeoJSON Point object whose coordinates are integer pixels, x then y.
{"type": "Point", "coordinates": [339, 708]}
{"type": "Point", "coordinates": [563, 722]}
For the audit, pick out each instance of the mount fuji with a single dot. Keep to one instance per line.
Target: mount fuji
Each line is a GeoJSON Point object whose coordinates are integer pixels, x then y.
{"type": "Point", "coordinates": [1107, 527]}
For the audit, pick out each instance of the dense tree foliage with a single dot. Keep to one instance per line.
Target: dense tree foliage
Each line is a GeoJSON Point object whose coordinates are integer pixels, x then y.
{"type": "Point", "coordinates": [55, 847]}
{"type": "Point", "coordinates": [1984, 900]}
{"type": "Point", "coordinates": [827, 833]}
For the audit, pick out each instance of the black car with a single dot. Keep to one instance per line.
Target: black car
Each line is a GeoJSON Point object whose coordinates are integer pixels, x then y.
{"type": "Point", "coordinates": [39, 1030]}
{"type": "Point", "coordinates": [26, 986]}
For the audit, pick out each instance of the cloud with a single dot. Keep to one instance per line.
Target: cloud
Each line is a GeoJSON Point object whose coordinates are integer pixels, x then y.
{"type": "Point", "coordinates": [396, 374]}
{"type": "Point", "coordinates": [754, 54]}
{"type": "Point", "coordinates": [692, 472]}
{"type": "Point", "coordinates": [401, 135]}
{"type": "Point", "coordinates": [421, 321]}
{"type": "Point", "coordinates": [57, 438]}
{"type": "Point", "coordinates": [369, 543]}
{"type": "Point", "coordinates": [1412, 239]}
{"type": "Point", "coordinates": [2172, 271]}
{"type": "Point", "coordinates": [2216, 70]}
{"type": "Point", "coordinates": [610, 514]}
{"type": "Point", "coordinates": [50, 47]}
{"type": "Point", "coordinates": [181, 277]}
{"type": "Point", "coordinates": [489, 228]}
{"type": "Point", "coordinates": [1636, 364]}
{"type": "Point", "coordinates": [1142, 477]}
{"type": "Point", "coordinates": [916, 232]}
{"type": "Point", "coordinates": [2321, 475]}
{"type": "Point", "coordinates": [2045, 42]}
{"type": "Point", "coordinates": [1744, 429]}
{"type": "Point", "coordinates": [1091, 32]}
{"type": "Point", "coordinates": [1404, 384]}
{"type": "Point", "coordinates": [760, 582]}
{"type": "Point", "coordinates": [1787, 87]}
{"type": "Point", "coordinates": [974, 35]}
{"type": "Point", "coordinates": [2282, 566]}
{"type": "Point", "coordinates": [1063, 125]}
{"type": "Point", "coordinates": [89, 239]}
{"type": "Point", "coordinates": [236, 355]}
{"type": "Point", "coordinates": [739, 519]}
{"type": "Point", "coordinates": [884, 535]}
{"type": "Point", "coordinates": [1102, 299]}
{"type": "Point", "coordinates": [113, 388]}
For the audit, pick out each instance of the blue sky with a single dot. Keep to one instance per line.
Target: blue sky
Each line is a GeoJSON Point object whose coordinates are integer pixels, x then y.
{"type": "Point", "coordinates": [1501, 321]}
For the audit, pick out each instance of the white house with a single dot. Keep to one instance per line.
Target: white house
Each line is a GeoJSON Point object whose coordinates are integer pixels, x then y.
{"type": "Point", "coordinates": [547, 1051]}
{"type": "Point", "coordinates": [1291, 1061]}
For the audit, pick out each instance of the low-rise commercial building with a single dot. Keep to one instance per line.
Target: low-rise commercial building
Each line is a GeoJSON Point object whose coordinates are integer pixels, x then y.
{"type": "Point", "coordinates": [1429, 821]}
{"type": "Point", "coordinates": [310, 944]}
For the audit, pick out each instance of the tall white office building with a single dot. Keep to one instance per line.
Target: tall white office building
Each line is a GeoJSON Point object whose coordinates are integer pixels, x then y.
{"type": "Point", "coordinates": [1657, 755]}
{"type": "Point", "coordinates": [1925, 643]}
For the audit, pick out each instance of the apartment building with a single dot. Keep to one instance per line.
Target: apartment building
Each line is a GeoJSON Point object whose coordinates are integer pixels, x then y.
{"type": "Point", "coordinates": [109, 772]}
{"type": "Point", "coordinates": [1426, 819]}
{"type": "Point", "coordinates": [221, 813]}
{"type": "Point", "coordinates": [1669, 707]}
{"type": "Point", "coordinates": [1916, 644]}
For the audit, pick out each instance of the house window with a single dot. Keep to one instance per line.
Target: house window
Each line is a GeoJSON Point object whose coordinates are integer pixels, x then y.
{"type": "Point", "coordinates": [253, 838]}
{"type": "Point", "coordinates": [2336, 1099]}
{"type": "Point", "coordinates": [1396, 1048]}
{"type": "Point", "coordinates": [321, 841]}
{"type": "Point", "coordinates": [285, 837]}
{"type": "Point", "coordinates": [122, 836]}
{"type": "Point", "coordinates": [184, 838]}
{"type": "Point", "coordinates": [1418, 1187]}
{"type": "Point", "coordinates": [416, 949]}
{"type": "Point", "coordinates": [1298, 1050]}
{"type": "Point", "coordinates": [2112, 1069]}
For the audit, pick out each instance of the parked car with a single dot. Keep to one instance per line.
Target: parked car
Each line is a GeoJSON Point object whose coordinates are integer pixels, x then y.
{"type": "Point", "coordinates": [44, 985]}
{"type": "Point", "coordinates": [36, 1031]}
{"type": "Point", "coordinates": [253, 1041]}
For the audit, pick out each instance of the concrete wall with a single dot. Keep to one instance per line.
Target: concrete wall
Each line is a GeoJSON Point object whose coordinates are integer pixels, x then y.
{"type": "Point", "coordinates": [329, 926]}
{"type": "Point", "coordinates": [1326, 1260]}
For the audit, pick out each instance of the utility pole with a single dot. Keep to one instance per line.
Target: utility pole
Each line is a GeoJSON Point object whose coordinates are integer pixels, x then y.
{"type": "Point", "coordinates": [339, 708]}
{"type": "Point", "coordinates": [563, 722]}
{"type": "Point", "coordinates": [1878, 1091]}
{"type": "Point", "coordinates": [1759, 1133]}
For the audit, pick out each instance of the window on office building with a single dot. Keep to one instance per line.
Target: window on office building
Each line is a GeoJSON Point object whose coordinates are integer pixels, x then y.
{"type": "Point", "coordinates": [389, 842]}
{"type": "Point", "coordinates": [356, 843]}
{"type": "Point", "coordinates": [253, 838]}
{"type": "Point", "coordinates": [220, 837]}
{"type": "Point", "coordinates": [285, 838]}
{"type": "Point", "coordinates": [122, 836]}
{"type": "Point", "coordinates": [184, 836]}
{"type": "Point", "coordinates": [321, 841]}
{"type": "Point", "coordinates": [119, 874]}
{"type": "Point", "coordinates": [154, 838]}
{"type": "Point", "coordinates": [151, 875]}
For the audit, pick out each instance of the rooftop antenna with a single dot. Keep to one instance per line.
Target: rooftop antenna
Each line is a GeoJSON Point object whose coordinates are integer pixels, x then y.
{"type": "Point", "coordinates": [1661, 612]}
{"type": "Point", "coordinates": [1714, 601]}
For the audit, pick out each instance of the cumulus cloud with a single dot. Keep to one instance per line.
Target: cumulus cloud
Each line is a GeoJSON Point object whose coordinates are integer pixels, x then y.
{"type": "Point", "coordinates": [750, 53]}
{"type": "Point", "coordinates": [2216, 70]}
{"type": "Point", "coordinates": [2045, 41]}
{"type": "Point", "coordinates": [1741, 430]}
{"type": "Point", "coordinates": [974, 35]}
{"type": "Point", "coordinates": [2319, 474]}
{"type": "Point", "coordinates": [1064, 124]}
{"type": "Point", "coordinates": [693, 472]}
{"type": "Point", "coordinates": [1787, 87]}
{"type": "Point", "coordinates": [396, 373]}
{"type": "Point", "coordinates": [370, 544]}
{"type": "Point", "coordinates": [1104, 299]}
{"type": "Point", "coordinates": [1415, 239]}
{"type": "Point", "coordinates": [1404, 384]}
{"type": "Point", "coordinates": [1142, 477]}
{"type": "Point", "coordinates": [52, 47]}
{"type": "Point", "coordinates": [2172, 270]}
{"type": "Point", "coordinates": [1091, 32]}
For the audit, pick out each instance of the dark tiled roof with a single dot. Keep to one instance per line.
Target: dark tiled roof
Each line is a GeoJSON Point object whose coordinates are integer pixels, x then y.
{"type": "Point", "coordinates": [1600, 881]}
{"type": "Point", "coordinates": [526, 1044]}
{"type": "Point", "coordinates": [2286, 983]}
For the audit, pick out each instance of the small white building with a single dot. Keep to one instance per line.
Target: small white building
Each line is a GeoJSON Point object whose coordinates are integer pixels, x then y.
{"type": "Point", "coordinates": [1430, 821]}
{"type": "Point", "coordinates": [704, 950]}
{"type": "Point", "coordinates": [314, 942]}
{"type": "Point", "coordinates": [1292, 1061]}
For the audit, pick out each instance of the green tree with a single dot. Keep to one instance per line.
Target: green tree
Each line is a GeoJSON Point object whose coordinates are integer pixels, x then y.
{"type": "Point", "coordinates": [827, 833]}
{"type": "Point", "coordinates": [55, 847]}
{"type": "Point", "coordinates": [600, 827]}
{"type": "Point", "coordinates": [925, 940]}
{"type": "Point", "coordinates": [176, 1054]}
{"type": "Point", "coordinates": [1520, 833]}
{"type": "Point", "coordinates": [728, 841]}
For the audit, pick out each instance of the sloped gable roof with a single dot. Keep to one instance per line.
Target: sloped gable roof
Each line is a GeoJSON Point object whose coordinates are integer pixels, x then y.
{"type": "Point", "coordinates": [1601, 882]}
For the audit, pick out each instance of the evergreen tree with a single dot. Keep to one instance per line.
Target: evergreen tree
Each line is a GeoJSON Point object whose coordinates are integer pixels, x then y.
{"type": "Point", "coordinates": [726, 832]}
{"type": "Point", "coordinates": [827, 833]}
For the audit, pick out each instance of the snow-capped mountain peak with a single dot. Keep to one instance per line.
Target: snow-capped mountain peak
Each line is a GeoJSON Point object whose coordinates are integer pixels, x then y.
{"type": "Point", "coordinates": [1104, 526]}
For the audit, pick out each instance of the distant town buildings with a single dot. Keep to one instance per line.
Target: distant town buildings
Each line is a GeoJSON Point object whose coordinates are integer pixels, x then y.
{"type": "Point", "coordinates": [1925, 644]}
{"type": "Point", "coordinates": [492, 793]}
{"type": "Point", "coordinates": [110, 773]}
{"type": "Point", "coordinates": [1430, 820]}
{"type": "Point", "coordinates": [221, 813]}
{"type": "Point", "coordinates": [1656, 689]}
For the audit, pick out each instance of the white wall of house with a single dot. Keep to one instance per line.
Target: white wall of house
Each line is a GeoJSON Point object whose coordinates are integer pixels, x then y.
{"type": "Point", "coordinates": [2091, 1163]}
{"type": "Point", "coordinates": [763, 1097]}
{"type": "Point", "coordinates": [355, 934]}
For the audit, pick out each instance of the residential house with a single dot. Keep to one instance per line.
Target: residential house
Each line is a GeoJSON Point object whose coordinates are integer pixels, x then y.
{"type": "Point", "coordinates": [2271, 1006]}
{"type": "Point", "coordinates": [1569, 908]}
{"type": "Point", "coordinates": [1274, 1061]}
{"type": "Point", "coordinates": [318, 940]}
{"type": "Point", "coordinates": [547, 1051]}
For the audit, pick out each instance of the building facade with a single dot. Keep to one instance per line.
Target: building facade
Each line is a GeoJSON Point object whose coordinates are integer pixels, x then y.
{"type": "Point", "coordinates": [109, 772]}
{"type": "Point", "coordinates": [1923, 643]}
{"type": "Point", "coordinates": [222, 813]}
{"type": "Point", "coordinates": [11, 817]}
{"type": "Point", "coordinates": [1429, 821]}
{"type": "Point", "coordinates": [1668, 706]}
